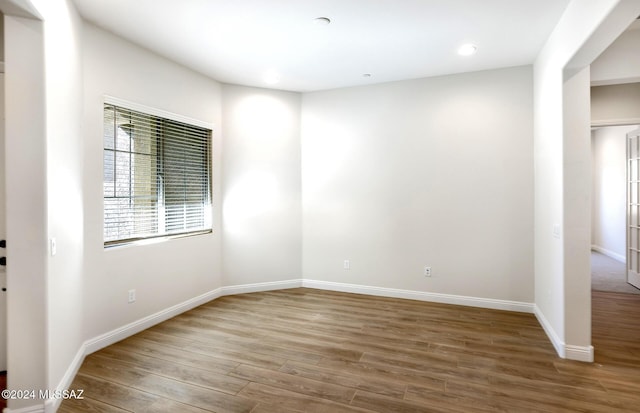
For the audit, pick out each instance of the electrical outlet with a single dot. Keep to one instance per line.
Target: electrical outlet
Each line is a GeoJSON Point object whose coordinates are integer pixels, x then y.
{"type": "Point", "coordinates": [132, 296]}
{"type": "Point", "coordinates": [346, 265]}
{"type": "Point", "coordinates": [427, 271]}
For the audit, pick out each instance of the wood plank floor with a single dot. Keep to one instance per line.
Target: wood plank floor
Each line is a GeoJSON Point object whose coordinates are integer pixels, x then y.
{"type": "Point", "coordinates": [306, 350]}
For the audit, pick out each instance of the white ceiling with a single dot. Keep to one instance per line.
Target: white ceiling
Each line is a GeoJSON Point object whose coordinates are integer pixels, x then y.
{"type": "Point", "coordinates": [242, 41]}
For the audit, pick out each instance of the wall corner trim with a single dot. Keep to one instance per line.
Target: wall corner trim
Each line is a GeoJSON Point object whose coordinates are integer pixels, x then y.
{"type": "Point", "coordinates": [558, 344]}
{"type": "Point", "coordinates": [52, 405]}
{"type": "Point", "coordinates": [565, 351]}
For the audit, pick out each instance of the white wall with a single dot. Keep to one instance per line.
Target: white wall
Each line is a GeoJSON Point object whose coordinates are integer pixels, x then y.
{"type": "Point", "coordinates": [261, 181]}
{"type": "Point", "coordinates": [1, 37]}
{"type": "Point", "coordinates": [164, 274]}
{"type": "Point", "coordinates": [615, 104]}
{"type": "Point", "coordinates": [561, 293]}
{"type": "Point", "coordinates": [608, 228]}
{"type": "Point", "coordinates": [620, 63]}
{"type": "Point", "coordinates": [64, 144]}
{"type": "Point", "coordinates": [576, 232]}
{"type": "Point", "coordinates": [26, 205]}
{"type": "Point", "coordinates": [435, 171]}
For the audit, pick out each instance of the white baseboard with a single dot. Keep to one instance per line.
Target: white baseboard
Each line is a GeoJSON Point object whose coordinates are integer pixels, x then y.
{"type": "Point", "coordinates": [610, 254]}
{"type": "Point", "coordinates": [579, 353]}
{"type": "Point", "coordinates": [52, 405]}
{"type": "Point", "coordinates": [254, 288]}
{"type": "Point", "coordinates": [130, 329]}
{"type": "Point", "coordinates": [565, 351]}
{"type": "Point", "coordinates": [111, 337]}
{"type": "Point", "coordinates": [30, 409]}
{"type": "Point", "coordinates": [558, 344]}
{"type": "Point", "coordinates": [422, 296]}
{"type": "Point", "coordinates": [104, 340]}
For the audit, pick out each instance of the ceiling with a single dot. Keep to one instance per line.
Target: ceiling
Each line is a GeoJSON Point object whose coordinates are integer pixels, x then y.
{"type": "Point", "coordinates": [277, 44]}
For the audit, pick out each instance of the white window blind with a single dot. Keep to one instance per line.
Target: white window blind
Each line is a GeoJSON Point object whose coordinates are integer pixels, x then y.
{"type": "Point", "coordinates": [157, 176]}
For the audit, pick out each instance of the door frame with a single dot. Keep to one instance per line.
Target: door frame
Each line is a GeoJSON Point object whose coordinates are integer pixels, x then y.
{"type": "Point", "coordinates": [633, 263]}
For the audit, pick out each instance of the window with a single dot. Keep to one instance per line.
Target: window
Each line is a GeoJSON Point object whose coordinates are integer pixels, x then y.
{"type": "Point", "coordinates": [157, 176]}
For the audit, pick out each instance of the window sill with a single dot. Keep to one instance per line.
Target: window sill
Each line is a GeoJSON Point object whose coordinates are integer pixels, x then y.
{"type": "Point", "coordinates": [152, 240]}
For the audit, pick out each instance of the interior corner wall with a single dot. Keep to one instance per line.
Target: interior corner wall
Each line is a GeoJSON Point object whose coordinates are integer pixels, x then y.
{"type": "Point", "coordinates": [262, 186]}
{"type": "Point", "coordinates": [163, 274]}
{"type": "Point", "coordinates": [609, 211]}
{"type": "Point", "coordinates": [549, 286]}
{"type": "Point", "coordinates": [429, 172]}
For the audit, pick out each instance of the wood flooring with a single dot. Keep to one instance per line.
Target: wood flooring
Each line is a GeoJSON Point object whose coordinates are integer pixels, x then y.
{"type": "Point", "coordinates": [305, 350]}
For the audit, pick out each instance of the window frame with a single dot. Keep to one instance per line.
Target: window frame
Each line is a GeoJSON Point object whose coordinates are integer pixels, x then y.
{"type": "Point", "coordinates": [152, 111]}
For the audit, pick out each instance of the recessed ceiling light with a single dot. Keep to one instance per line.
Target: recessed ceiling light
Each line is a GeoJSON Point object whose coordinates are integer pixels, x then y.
{"type": "Point", "coordinates": [467, 49]}
{"type": "Point", "coordinates": [322, 21]}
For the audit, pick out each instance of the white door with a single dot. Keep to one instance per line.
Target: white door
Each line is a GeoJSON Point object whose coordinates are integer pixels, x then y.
{"type": "Point", "coordinates": [633, 208]}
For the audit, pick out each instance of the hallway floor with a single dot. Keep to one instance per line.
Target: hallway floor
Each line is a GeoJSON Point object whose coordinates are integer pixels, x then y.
{"type": "Point", "coordinates": [609, 275]}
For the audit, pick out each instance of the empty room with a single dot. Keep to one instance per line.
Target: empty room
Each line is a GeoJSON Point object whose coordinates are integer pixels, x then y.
{"type": "Point", "coordinates": [307, 206]}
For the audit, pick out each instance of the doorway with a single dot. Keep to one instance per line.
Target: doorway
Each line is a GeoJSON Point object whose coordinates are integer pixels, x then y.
{"type": "Point", "coordinates": [609, 209]}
